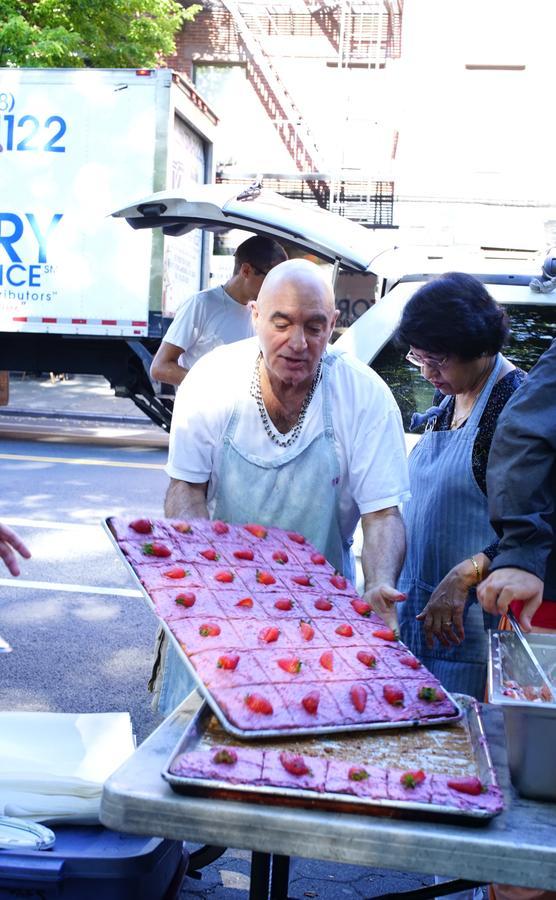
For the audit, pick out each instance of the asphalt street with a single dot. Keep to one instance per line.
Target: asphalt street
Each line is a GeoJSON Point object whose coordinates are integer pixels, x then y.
{"type": "Point", "coordinates": [81, 633]}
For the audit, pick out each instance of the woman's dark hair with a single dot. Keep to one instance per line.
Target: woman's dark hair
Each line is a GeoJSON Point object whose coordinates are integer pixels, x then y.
{"type": "Point", "coordinates": [453, 314]}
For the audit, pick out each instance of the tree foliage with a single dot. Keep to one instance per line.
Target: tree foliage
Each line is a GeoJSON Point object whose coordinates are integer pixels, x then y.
{"type": "Point", "coordinates": [98, 33]}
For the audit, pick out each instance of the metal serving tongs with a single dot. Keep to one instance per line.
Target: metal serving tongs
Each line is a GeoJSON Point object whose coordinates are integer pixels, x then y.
{"type": "Point", "coordinates": [531, 656]}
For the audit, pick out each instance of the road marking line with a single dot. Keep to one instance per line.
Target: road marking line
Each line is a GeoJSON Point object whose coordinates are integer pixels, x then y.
{"type": "Point", "coordinates": [80, 461]}
{"type": "Point", "coordinates": [18, 522]}
{"type": "Point", "coordinates": [69, 588]}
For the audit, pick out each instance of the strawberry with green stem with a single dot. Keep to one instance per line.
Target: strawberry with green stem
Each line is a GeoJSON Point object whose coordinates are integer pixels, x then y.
{"type": "Point", "coordinates": [412, 779]}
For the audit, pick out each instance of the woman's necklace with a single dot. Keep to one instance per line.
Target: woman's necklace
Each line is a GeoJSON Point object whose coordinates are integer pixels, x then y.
{"type": "Point", "coordinates": [256, 393]}
{"type": "Point", "coordinates": [457, 421]}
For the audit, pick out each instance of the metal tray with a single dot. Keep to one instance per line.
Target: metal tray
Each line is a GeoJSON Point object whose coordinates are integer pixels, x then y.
{"type": "Point", "coordinates": [464, 745]}
{"type": "Point", "coordinates": [530, 725]}
{"type": "Point", "coordinates": [262, 733]}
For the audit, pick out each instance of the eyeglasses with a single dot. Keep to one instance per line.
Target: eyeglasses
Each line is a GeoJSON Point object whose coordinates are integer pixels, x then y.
{"type": "Point", "coordinates": [260, 271]}
{"type": "Point", "coordinates": [429, 361]}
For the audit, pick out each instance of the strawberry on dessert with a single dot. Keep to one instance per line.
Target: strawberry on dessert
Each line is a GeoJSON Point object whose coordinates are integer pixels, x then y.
{"type": "Point", "coordinates": [182, 603]}
{"type": "Point", "coordinates": [166, 574]}
{"type": "Point", "coordinates": [385, 634]}
{"type": "Point", "coordinates": [413, 785]}
{"type": "Point", "coordinates": [255, 707]}
{"type": "Point", "coordinates": [256, 532]}
{"type": "Point", "coordinates": [299, 581]}
{"type": "Point", "coordinates": [426, 698]}
{"type": "Point", "coordinates": [399, 661]}
{"type": "Point", "coordinates": [466, 792]}
{"type": "Point", "coordinates": [332, 584]}
{"type": "Point", "coordinates": [195, 551]}
{"type": "Point", "coordinates": [284, 666]}
{"type": "Point", "coordinates": [341, 633]}
{"type": "Point", "coordinates": [356, 699]}
{"type": "Point", "coordinates": [309, 704]}
{"type": "Point", "coordinates": [363, 661]}
{"type": "Point", "coordinates": [322, 604]}
{"type": "Point", "coordinates": [227, 667]}
{"type": "Point", "coordinates": [205, 633]}
{"type": "Point", "coordinates": [359, 779]}
{"type": "Point", "coordinates": [220, 577]}
{"type": "Point", "coordinates": [292, 770]}
{"type": "Point", "coordinates": [240, 604]}
{"type": "Point", "coordinates": [136, 531]}
{"type": "Point", "coordinates": [262, 580]}
{"type": "Point", "coordinates": [183, 531]}
{"type": "Point", "coordinates": [148, 550]}
{"type": "Point", "coordinates": [236, 765]}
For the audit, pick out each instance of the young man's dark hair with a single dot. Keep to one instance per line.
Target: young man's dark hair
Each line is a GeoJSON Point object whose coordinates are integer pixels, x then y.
{"type": "Point", "coordinates": [262, 253]}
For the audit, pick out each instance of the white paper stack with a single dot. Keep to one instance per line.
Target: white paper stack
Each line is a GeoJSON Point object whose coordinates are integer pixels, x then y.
{"type": "Point", "coordinates": [53, 765]}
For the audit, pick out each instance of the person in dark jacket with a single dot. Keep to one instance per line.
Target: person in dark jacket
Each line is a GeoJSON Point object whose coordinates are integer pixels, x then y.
{"type": "Point", "coordinates": [521, 479]}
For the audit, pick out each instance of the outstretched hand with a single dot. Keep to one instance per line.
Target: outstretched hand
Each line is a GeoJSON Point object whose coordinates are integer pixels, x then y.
{"type": "Point", "coordinates": [9, 541]}
{"type": "Point", "coordinates": [383, 600]}
{"type": "Point", "coordinates": [442, 617]}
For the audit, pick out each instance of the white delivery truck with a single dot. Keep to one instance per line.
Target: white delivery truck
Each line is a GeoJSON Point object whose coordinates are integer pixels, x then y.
{"type": "Point", "coordinates": [78, 293]}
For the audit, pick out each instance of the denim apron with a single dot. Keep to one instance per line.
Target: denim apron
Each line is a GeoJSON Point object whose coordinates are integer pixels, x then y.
{"type": "Point", "coordinates": [446, 521]}
{"type": "Point", "coordinates": [298, 492]}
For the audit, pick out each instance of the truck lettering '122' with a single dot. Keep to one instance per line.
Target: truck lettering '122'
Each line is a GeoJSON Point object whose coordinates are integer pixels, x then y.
{"type": "Point", "coordinates": [77, 292]}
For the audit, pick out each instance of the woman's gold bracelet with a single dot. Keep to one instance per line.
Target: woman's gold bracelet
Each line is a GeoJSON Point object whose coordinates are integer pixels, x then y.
{"type": "Point", "coordinates": [478, 572]}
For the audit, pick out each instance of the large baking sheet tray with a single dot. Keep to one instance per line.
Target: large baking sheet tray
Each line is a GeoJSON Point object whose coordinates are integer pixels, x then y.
{"type": "Point", "coordinates": [462, 747]}
{"type": "Point", "coordinates": [530, 725]}
{"type": "Point", "coordinates": [262, 733]}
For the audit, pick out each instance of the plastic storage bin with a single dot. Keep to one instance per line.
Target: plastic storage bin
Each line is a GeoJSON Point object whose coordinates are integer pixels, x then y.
{"type": "Point", "coordinates": [89, 863]}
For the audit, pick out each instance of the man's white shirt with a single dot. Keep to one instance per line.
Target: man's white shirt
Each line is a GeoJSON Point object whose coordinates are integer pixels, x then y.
{"type": "Point", "coordinates": [368, 430]}
{"type": "Point", "coordinates": [207, 320]}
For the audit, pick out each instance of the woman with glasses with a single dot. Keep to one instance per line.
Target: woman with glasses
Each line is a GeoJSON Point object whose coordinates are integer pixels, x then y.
{"type": "Point", "coordinates": [455, 332]}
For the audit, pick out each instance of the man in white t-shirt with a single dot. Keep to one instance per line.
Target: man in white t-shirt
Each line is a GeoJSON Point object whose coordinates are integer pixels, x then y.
{"type": "Point", "coordinates": [219, 315]}
{"type": "Point", "coordinates": [281, 430]}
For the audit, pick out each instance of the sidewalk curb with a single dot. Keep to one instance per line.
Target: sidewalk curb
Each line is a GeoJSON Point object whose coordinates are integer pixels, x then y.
{"type": "Point", "coordinates": [85, 434]}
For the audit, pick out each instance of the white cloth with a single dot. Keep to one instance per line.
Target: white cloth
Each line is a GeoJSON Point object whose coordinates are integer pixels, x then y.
{"type": "Point", "coordinates": [53, 765]}
{"type": "Point", "coordinates": [367, 426]}
{"type": "Point", "coordinates": [205, 321]}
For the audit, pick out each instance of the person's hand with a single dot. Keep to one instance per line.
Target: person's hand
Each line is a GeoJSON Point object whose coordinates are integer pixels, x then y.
{"type": "Point", "coordinates": [503, 586]}
{"type": "Point", "coordinates": [383, 600]}
{"type": "Point", "coordinates": [9, 542]}
{"type": "Point", "coordinates": [442, 617]}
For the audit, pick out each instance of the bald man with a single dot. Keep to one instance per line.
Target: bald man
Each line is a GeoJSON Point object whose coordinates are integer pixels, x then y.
{"type": "Point", "coordinates": [280, 429]}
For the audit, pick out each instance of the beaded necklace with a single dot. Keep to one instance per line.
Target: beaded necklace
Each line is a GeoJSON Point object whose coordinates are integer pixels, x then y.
{"type": "Point", "coordinates": [256, 393]}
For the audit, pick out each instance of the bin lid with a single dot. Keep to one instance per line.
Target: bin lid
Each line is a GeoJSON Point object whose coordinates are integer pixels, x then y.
{"type": "Point", "coordinates": [18, 834]}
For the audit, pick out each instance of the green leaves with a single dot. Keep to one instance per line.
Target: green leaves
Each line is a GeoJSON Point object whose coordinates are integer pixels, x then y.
{"type": "Point", "coordinates": [95, 33]}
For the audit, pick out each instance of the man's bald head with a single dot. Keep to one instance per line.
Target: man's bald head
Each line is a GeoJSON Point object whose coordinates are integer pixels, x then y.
{"type": "Point", "coordinates": [294, 317]}
{"type": "Point", "coordinates": [298, 278]}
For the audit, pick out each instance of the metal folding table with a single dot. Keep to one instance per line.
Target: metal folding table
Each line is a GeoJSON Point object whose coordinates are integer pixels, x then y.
{"type": "Point", "coordinates": [517, 847]}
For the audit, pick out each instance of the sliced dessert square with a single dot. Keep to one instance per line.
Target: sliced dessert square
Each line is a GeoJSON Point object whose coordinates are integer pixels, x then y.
{"type": "Point", "coordinates": [205, 633]}
{"type": "Point", "coordinates": [228, 667]}
{"type": "Point", "coordinates": [169, 575]}
{"type": "Point", "coordinates": [182, 603]}
{"type": "Point", "coordinates": [410, 785]}
{"type": "Point", "coordinates": [137, 531]}
{"type": "Point", "coordinates": [292, 770]}
{"type": "Point", "coordinates": [286, 666]}
{"type": "Point", "coordinates": [310, 704]}
{"type": "Point", "coordinates": [357, 701]}
{"type": "Point", "coordinates": [236, 765]}
{"type": "Point", "coordinates": [359, 779]}
{"type": "Point", "coordinates": [257, 707]}
{"type": "Point", "coordinates": [365, 661]}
